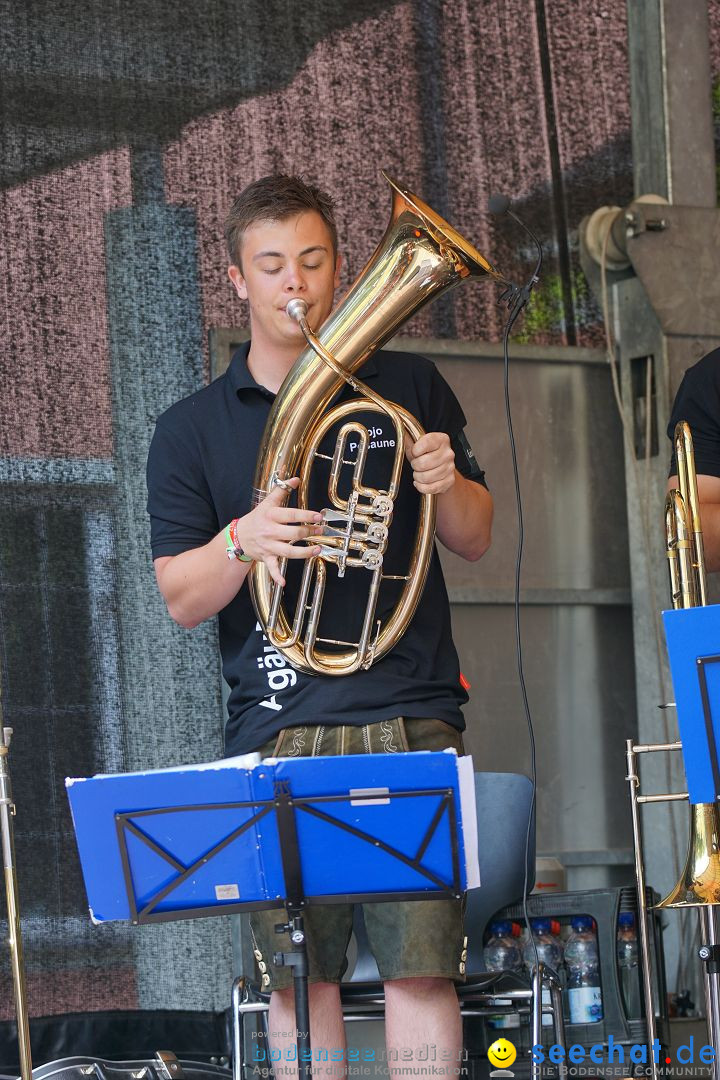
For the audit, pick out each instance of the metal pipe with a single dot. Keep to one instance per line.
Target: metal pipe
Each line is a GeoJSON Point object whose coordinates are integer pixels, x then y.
{"type": "Point", "coordinates": [537, 984]}
{"type": "Point", "coordinates": [651, 748]}
{"type": "Point", "coordinates": [558, 1019]}
{"type": "Point", "coordinates": [7, 810]}
{"type": "Point", "coordinates": [634, 781]}
{"type": "Point", "coordinates": [239, 1009]}
{"type": "Point", "coordinates": [679, 796]}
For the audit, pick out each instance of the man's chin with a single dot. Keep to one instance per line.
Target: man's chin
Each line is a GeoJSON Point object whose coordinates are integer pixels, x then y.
{"type": "Point", "coordinates": [289, 330]}
{"type": "Point", "coordinates": [295, 334]}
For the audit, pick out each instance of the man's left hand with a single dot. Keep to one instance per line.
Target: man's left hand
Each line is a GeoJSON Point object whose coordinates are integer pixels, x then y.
{"type": "Point", "coordinates": [433, 463]}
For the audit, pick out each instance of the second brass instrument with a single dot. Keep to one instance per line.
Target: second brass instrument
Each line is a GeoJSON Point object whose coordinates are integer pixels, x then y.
{"type": "Point", "coordinates": [699, 884]}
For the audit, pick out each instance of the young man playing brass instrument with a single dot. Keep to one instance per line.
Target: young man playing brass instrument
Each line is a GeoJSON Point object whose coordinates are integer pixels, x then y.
{"type": "Point", "coordinates": [283, 245]}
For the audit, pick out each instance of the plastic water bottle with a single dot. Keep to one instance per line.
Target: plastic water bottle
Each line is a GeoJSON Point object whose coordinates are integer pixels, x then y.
{"type": "Point", "coordinates": [502, 953]}
{"type": "Point", "coordinates": [583, 987]}
{"type": "Point", "coordinates": [627, 959]}
{"type": "Point", "coordinates": [549, 952]}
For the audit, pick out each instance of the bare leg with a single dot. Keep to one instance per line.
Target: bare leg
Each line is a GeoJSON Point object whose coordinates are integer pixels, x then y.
{"type": "Point", "coordinates": [327, 1032]}
{"type": "Point", "coordinates": [423, 1014]}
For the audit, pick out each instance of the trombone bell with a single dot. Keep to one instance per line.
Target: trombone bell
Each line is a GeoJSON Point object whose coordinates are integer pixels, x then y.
{"type": "Point", "coordinates": [699, 885]}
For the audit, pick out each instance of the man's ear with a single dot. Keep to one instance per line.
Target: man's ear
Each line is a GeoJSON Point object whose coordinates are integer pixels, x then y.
{"type": "Point", "coordinates": [338, 265]}
{"type": "Point", "coordinates": [235, 275]}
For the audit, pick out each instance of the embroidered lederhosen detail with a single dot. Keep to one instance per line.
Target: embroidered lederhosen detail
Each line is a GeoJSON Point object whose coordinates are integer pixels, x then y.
{"type": "Point", "coordinates": [384, 736]}
{"type": "Point", "coordinates": [298, 738]}
{"type": "Point", "coordinates": [387, 737]}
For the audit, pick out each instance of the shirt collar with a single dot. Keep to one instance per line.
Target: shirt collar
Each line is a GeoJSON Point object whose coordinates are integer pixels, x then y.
{"type": "Point", "coordinates": [241, 380]}
{"type": "Point", "coordinates": [239, 373]}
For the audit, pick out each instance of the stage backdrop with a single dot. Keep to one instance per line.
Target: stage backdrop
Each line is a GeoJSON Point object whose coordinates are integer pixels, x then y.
{"type": "Point", "coordinates": [126, 129]}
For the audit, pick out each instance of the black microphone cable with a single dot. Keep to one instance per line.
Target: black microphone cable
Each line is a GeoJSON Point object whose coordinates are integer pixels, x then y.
{"type": "Point", "coordinates": [517, 298]}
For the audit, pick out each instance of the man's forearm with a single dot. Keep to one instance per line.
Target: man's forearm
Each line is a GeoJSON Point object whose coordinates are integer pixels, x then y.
{"type": "Point", "coordinates": [708, 488]}
{"type": "Point", "coordinates": [464, 518]}
{"type": "Point", "coordinates": [710, 519]}
{"type": "Point", "coordinates": [199, 583]}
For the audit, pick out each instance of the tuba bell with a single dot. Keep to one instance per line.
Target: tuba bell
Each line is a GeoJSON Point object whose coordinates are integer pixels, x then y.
{"type": "Point", "coordinates": [419, 258]}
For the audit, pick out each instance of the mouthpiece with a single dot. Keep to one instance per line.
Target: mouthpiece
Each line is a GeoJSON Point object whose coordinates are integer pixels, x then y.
{"type": "Point", "coordinates": [296, 309]}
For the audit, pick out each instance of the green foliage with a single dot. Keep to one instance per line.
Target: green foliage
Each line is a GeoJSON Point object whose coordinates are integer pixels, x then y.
{"type": "Point", "coordinates": [545, 313]}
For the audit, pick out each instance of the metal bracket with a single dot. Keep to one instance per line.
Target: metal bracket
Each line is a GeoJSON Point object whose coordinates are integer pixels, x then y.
{"type": "Point", "coordinates": [636, 221]}
{"type": "Point", "coordinates": [168, 1065]}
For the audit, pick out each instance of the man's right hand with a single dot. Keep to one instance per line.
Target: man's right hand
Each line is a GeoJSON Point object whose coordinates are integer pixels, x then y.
{"type": "Point", "coordinates": [270, 532]}
{"type": "Point", "coordinates": [202, 581]}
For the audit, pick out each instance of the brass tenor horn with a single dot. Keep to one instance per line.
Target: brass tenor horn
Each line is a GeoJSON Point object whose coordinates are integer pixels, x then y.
{"type": "Point", "coordinates": [699, 884]}
{"type": "Point", "coordinates": [419, 258]}
{"type": "Point", "coordinates": [683, 531]}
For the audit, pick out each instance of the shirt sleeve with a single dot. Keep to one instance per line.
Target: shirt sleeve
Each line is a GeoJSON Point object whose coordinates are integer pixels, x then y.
{"type": "Point", "coordinates": [182, 515]}
{"type": "Point", "coordinates": [446, 414]}
{"type": "Point", "coordinates": [698, 403]}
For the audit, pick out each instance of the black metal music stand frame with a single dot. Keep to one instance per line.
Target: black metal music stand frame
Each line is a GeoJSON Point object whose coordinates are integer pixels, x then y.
{"type": "Point", "coordinates": [286, 809]}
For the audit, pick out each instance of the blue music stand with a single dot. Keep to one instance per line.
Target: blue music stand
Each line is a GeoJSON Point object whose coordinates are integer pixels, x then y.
{"type": "Point", "coordinates": [693, 642]}
{"type": "Point", "coordinates": [241, 835]}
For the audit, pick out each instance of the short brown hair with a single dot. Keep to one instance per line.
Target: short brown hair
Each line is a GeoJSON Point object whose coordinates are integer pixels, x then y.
{"type": "Point", "coordinates": [275, 198]}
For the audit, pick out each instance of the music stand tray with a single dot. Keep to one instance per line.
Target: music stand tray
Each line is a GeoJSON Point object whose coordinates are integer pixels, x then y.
{"type": "Point", "coordinates": [240, 834]}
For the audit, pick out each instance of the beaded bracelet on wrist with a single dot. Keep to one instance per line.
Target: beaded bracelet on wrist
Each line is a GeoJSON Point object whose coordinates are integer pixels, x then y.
{"type": "Point", "coordinates": [233, 548]}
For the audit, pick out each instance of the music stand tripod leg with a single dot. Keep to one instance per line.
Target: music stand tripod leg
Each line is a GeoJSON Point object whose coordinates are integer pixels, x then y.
{"type": "Point", "coordinates": [294, 904]}
{"type": "Point", "coordinates": [710, 955]}
{"type": "Point", "coordinates": [297, 960]}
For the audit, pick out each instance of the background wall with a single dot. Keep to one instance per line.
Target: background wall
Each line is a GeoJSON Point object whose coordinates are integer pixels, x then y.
{"type": "Point", "coordinates": [125, 131]}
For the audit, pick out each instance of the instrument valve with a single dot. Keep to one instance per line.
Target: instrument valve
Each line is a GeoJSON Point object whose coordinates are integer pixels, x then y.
{"type": "Point", "coordinates": [377, 533]}
{"type": "Point", "coordinates": [372, 559]}
{"type": "Point", "coordinates": [382, 506]}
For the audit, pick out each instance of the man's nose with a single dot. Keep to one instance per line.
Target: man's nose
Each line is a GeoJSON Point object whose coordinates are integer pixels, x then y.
{"type": "Point", "coordinates": [294, 278]}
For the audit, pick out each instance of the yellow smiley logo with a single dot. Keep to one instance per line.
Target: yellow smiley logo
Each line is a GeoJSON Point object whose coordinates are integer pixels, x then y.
{"type": "Point", "coordinates": [502, 1053]}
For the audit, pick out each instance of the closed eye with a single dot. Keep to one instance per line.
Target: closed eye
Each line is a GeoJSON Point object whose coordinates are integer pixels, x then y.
{"type": "Point", "coordinates": [277, 269]}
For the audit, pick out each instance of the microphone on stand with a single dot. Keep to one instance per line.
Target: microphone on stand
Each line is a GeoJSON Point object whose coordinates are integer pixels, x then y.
{"type": "Point", "coordinates": [499, 205]}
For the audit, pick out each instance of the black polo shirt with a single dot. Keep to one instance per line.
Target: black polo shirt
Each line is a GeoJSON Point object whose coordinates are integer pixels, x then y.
{"type": "Point", "coordinates": [698, 402]}
{"type": "Point", "coordinates": [200, 476]}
